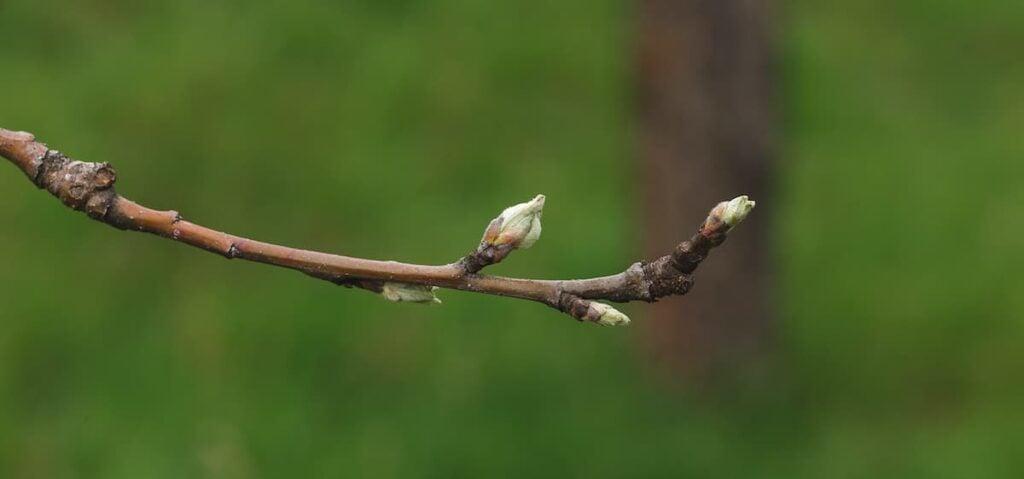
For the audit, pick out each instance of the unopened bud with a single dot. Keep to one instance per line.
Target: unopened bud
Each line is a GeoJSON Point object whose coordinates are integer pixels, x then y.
{"type": "Point", "coordinates": [518, 226]}
{"type": "Point", "coordinates": [734, 211]}
{"type": "Point", "coordinates": [608, 316]}
{"type": "Point", "coordinates": [413, 293]}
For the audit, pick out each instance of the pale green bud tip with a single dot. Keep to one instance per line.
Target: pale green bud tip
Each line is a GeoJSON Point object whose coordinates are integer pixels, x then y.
{"type": "Point", "coordinates": [517, 225]}
{"type": "Point", "coordinates": [609, 316]}
{"type": "Point", "coordinates": [736, 210]}
{"type": "Point", "coordinates": [412, 293]}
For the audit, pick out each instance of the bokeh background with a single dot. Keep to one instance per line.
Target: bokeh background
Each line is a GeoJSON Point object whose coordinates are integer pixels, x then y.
{"type": "Point", "coordinates": [397, 129]}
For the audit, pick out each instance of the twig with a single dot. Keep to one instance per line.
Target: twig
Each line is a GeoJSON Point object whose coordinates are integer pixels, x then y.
{"type": "Point", "coordinates": [89, 187]}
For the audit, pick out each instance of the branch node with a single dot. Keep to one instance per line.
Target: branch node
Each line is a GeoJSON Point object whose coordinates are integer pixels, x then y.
{"type": "Point", "coordinates": [86, 187]}
{"type": "Point", "coordinates": [665, 279]}
{"type": "Point", "coordinates": [483, 257]}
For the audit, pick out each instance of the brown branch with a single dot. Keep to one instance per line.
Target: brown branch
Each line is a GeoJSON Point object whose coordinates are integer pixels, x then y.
{"type": "Point", "coordinates": [89, 187]}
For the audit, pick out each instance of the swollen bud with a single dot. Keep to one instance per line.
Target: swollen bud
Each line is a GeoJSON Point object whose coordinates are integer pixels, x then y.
{"type": "Point", "coordinates": [518, 226]}
{"type": "Point", "coordinates": [413, 293]}
{"type": "Point", "coordinates": [607, 315]}
{"type": "Point", "coordinates": [734, 211]}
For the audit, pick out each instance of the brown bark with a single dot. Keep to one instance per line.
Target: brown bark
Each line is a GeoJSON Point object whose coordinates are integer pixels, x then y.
{"type": "Point", "coordinates": [706, 106]}
{"type": "Point", "coordinates": [89, 187]}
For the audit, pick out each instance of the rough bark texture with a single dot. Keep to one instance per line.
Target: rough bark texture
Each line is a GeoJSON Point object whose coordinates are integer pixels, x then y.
{"type": "Point", "coordinates": [706, 95]}
{"type": "Point", "coordinates": [89, 187]}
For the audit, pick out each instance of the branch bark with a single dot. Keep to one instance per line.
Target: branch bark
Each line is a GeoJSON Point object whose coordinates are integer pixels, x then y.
{"type": "Point", "coordinates": [89, 188]}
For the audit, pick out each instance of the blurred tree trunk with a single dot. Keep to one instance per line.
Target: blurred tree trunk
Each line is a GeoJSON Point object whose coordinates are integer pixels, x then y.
{"type": "Point", "coordinates": [706, 97]}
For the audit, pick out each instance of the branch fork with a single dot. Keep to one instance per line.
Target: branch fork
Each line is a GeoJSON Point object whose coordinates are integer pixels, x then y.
{"type": "Point", "coordinates": [89, 188]}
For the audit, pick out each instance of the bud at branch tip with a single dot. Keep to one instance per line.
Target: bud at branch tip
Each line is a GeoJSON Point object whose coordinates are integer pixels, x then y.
{"type": "Point", "coordinates": [518, 226]}
{"type": "Point", "coordinates": [608, 316]}
{"type": "Point", "coordinates": [734, 211]}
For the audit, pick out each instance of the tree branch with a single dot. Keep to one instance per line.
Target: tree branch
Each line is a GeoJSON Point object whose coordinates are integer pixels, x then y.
{"type": "Point", "coordinates": [89, 187]}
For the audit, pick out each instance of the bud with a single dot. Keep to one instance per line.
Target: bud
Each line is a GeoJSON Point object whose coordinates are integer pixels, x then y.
{"type": "Point", "coordinates": [413, 293]}
{"type": "Point", "coordinates": [607, 315]}
{"type": "Point", "coordinates": [518, 226]}
{"type": "Point", "coordinates": [734, 211]}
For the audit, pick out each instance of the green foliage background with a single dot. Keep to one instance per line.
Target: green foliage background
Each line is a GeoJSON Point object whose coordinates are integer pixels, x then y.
{"type": "Point", "coordinates": [397, 129]}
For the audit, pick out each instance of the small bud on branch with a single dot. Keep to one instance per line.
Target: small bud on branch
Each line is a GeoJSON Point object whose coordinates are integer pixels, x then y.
{"type": "Point", "coordinates": [412, 293]}
{"type": "Point", "coordinates": [732, 212]}
{"type": "Point", "coordinates": [518, 226]}
{"type": "Point", "coordinates": [609, 316]}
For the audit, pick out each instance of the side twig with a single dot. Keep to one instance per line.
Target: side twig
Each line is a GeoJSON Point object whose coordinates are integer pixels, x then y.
{"type": "Point", "coordinates": [89, 188]}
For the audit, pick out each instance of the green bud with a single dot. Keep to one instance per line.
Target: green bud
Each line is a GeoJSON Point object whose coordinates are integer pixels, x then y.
{"type": "Point", "coordinates": [609, 316]}
{"type": "Point", "coordinates": [734, 211]}
{"type": "Point", "coordinates": [412, 293]}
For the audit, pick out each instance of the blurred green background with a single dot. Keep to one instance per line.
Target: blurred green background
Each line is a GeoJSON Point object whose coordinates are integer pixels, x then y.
{"type": "Point", "coordinates": [396, 129]}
